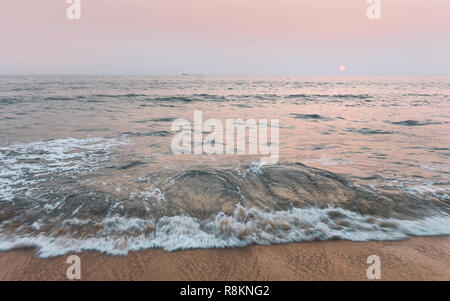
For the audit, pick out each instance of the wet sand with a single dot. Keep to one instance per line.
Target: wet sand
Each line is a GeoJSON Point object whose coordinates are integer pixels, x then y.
{"type": "Point", "coordinates": [421, 258]}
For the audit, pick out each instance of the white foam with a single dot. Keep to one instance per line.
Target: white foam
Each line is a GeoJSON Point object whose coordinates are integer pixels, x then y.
{"type": "Point", "coordinates": [25, 164]}
{"type": "Point", "coordinates": [120, 235]}
{"type": "Point", "coordinates": [419, 187]}
{"type": "Point", "coordinates": [254, 168]}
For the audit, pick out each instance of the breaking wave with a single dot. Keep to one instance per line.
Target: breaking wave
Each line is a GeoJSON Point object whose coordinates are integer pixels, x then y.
{"type": "Point", "coordinates": [245, 226]}
{"type": "Point", "coordinates": [45, 204]}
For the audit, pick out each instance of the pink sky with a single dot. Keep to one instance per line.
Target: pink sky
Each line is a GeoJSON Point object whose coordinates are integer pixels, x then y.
{"type": "Point", "coordinates": [225, 37]}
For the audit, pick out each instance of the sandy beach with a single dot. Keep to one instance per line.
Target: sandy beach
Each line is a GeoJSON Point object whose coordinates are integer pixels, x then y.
{"type": "Point", "coordinates": [422, 258]}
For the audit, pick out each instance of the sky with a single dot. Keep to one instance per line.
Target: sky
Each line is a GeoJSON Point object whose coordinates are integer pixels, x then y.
{"type": "Point", "coordinates": [225, 37]}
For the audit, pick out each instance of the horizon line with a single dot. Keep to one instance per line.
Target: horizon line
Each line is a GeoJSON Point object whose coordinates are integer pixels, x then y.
{"type": "Point", "coordinates": [220, 74]}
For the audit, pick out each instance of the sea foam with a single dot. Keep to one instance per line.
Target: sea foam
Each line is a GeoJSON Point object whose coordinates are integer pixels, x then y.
{"type": "Point", "coordinates": [246, 226]}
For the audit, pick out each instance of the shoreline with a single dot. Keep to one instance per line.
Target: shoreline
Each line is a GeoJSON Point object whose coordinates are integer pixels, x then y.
{"type": "Point", "coordinates": [418, 258]}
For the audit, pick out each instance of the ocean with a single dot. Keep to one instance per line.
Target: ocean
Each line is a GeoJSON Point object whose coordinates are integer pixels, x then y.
{"type": "Point", "coordinates": [86, 162]}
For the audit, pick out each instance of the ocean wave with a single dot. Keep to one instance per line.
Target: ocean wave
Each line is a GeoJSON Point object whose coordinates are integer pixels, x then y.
{"type": "Point", "coordinates": [199, 207]}
{"type": "Point", "coordinates": [245, 226]}
{"type": "Point", "coordinates": [9, 100]}
{"type": "Point", "coordinates": [310, 116]}
{"type": "Point", "coordinates": [344, 96]}
{"type": "Point", "coordinates": [414, 122]}
{"type": "Point", "coordinates": [26, 165]}
{"type": "Point", "coordinates": [367, 131]}
{"type": "Point", "coordinates": [148, 134]}
{"type": "Point", "coordinates": [175, 99]}
{"type": "Point", "coordinates": [127, 95]}
{"type": "Point", "coordinates": [164, 119]}
{"type": "Point", "coordinates": [43, 203]}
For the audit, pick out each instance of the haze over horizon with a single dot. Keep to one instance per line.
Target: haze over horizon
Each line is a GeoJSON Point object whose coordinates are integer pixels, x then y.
{"type": "Point", "coordinates": [234, 37]}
